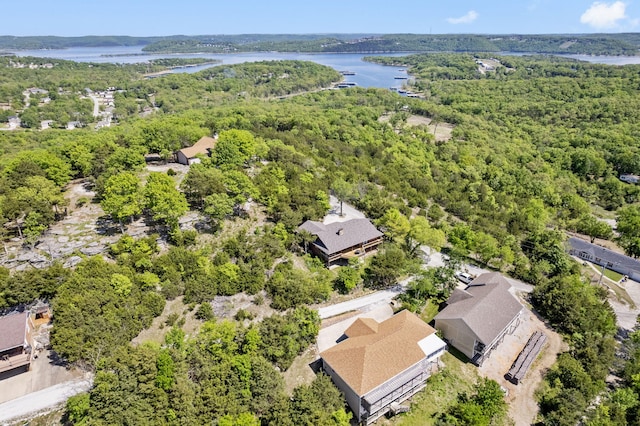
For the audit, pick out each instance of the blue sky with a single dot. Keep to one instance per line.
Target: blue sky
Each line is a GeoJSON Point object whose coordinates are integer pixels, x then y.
{"type": "Point", "coordinates": [197, 17]}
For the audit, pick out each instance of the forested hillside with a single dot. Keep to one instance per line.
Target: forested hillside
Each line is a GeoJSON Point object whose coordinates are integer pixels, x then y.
{"type": "Point", "coordinates": [536, 150]}
{"type": "Point", "coordinates": [591, 44]}
{"type": "Point", "coordinates": [598, 44]}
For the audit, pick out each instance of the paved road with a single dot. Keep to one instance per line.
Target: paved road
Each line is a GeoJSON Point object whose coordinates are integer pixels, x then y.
{"type": "Point", "coordinates": [96, 105]}
{"type": "Point", "coordinates": [42, 400]}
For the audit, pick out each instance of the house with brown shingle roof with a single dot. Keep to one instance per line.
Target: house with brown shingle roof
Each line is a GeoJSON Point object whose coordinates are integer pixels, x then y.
{"type": "Point", "coordinates": [15, 341]}
{"type": "Point", "coordinates": [380, 364]}
{"type": "Point", "coordinates": [476, 319]}
{"type": "Point", "coordinates": [340, 241]}
{"type": "Point", "coordinates": [203, 147]}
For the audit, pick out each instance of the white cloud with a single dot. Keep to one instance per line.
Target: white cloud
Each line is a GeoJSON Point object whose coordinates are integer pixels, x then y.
{"type": "Point", "coordinates": [604, 15]}
{"type": "Point", "coordinates": [471, 16]}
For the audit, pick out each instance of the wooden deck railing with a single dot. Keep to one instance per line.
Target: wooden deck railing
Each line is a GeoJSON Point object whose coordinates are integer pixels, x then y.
{"type": "Point", "coordinates": [14, 362]}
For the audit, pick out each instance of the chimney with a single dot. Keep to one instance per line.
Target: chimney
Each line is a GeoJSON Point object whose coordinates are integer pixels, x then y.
{"type": "Point", "coordinates": [340, 231]}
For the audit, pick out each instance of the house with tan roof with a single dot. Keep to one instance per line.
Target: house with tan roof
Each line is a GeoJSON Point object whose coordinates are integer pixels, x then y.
{"type": "Point", "coordinates": [15, 341]}
{"type": "Point", "coordinates": [339, 241]}
{"type": "Point", "coordinates": [382, 364]}
{"type": "Point", "coordinates": [203, 147]}
{"type": "Point", "coordinates": [476, 319]}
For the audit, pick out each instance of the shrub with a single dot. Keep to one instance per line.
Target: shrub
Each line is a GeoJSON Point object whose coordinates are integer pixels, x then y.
{"type": "Point", "coordinates": [171, 319]}
{"type": "Point", "coordinates": [243, 314]}
{"type": "Point", "coordinates": [205, 312]}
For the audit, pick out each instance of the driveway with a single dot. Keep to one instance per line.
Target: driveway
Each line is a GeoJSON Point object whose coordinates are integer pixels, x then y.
{"type": "Point", "coordinates": [42, 400]}
{"type": "Point", "coordinates": [348, 212]}
{"type": "Point", "coordinates": [436, 259]}
{"type": "Point", "coordinates": [364, 303]}
{"type": "Point", "coordinates": [328, 336]}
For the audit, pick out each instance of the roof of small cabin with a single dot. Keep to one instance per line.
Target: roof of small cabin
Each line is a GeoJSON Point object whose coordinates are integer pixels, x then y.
{"type": "Point", "coordinates": [13, 329]}
{"type": "Point", "coordinates": [355, 231]}
{"type": "Point", "coordinates": [486, 306]}
{"type": "Point", "coordinates": [376, 352]}
{"type": "Point", "coordinates": [202, 147]}
{"type": "Point", "coordinates": [605, 254]}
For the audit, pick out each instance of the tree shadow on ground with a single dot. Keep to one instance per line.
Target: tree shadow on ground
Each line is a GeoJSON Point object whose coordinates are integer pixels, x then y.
{"type": "Point", "coordinates": [106, 226]}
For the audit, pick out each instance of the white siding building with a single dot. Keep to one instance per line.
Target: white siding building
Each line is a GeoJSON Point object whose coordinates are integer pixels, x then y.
{"type": "Point", "coordinates": [380, 364]}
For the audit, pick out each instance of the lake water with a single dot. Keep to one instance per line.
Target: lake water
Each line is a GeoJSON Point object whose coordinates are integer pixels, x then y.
{"type": "Point", "coordinates": [366, 74]}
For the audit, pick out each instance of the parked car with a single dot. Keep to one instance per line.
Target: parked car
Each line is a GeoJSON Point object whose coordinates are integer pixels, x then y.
{"type": "Point", "coordinates": [464, 277]}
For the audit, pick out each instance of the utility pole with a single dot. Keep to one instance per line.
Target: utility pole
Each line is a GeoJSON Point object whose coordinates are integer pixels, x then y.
{"type": "Point", "coordinates": [601, 274]}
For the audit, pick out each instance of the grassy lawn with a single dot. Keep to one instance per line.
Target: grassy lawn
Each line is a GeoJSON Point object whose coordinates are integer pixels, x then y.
{"type": "Point", "coordinates": [429, 311]}
{"type": "Point", "coordinates": [457, 376]}
{"type": "Point", "coordinates": [442, 391]}
{"type": "Point", "coordinates": [612, 275]}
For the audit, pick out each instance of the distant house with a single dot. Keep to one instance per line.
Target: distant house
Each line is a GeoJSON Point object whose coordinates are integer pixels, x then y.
{"type": "Point", "coordinates": [340, 241]}
{"type": "Point", "coordinates": [476, 319]}
{"type": "Point", "coordinates": [15, 341]}
{"type": "Point", "coordinates": [629, 178]}
{"type": "Point", "coordinates": [599, 255]}
{"type": "Point", "coordinates": [37, 91]}
{"type": "Point", "coordinates": [14, 122]}
{"type": "Point", "coordinates": [382, 364]}
{"type": "Point", "coordinates": [71, 125]}
{"type": "Point", "coordinates": [203, 147]}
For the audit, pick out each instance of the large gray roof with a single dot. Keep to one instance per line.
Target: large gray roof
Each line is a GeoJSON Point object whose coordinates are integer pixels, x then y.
{"type": "Point", "coordinates": [13, 330]}
{"type": "Point", "coordinates": [605, 254]}
{"type": "Point", "coordinates": [330, 240]}
{"type": "Point", "coordinates": [486, 306]}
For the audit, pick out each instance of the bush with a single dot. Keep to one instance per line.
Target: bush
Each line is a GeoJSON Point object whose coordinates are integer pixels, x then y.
{"type": "Point", "coordinates": [172, 319]}
{"type": "Point", "coordinates": [82, 201]}
{"type": "Point", "coordinates": [258, 300]}
{"type": "Point", "coordinates": [347, 279]}
{"type": "Point", "coordinates": [243, 314]}
{"type": "Point", "coordinates": [205, 312]}
{"type": "Point", "coordinates": [183, 238]}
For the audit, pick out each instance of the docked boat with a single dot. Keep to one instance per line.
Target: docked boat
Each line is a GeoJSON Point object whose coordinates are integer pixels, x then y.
{"type": "Point", "coordinates": [347, 73]}
{"type": "Point", "coordinates": [401, 77]}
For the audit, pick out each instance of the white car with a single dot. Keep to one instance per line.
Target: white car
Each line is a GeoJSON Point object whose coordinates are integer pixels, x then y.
{"type": "Point", "coordinates": [464, 277]}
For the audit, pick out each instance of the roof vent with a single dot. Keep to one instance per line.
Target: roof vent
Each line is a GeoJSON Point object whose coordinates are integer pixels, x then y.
{"type": "Point", "coordinates": [340, 231]}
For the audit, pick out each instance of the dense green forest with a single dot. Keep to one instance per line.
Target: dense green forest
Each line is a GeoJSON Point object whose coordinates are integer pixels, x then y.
{"type": "Point", "coordinates": [536, 149]}
{"type": "Point", "coordinates": [590, 44]}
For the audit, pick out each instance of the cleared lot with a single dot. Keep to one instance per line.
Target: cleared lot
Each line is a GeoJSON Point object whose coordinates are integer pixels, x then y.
{"type": "Point", "coordinates": [522, 402]}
